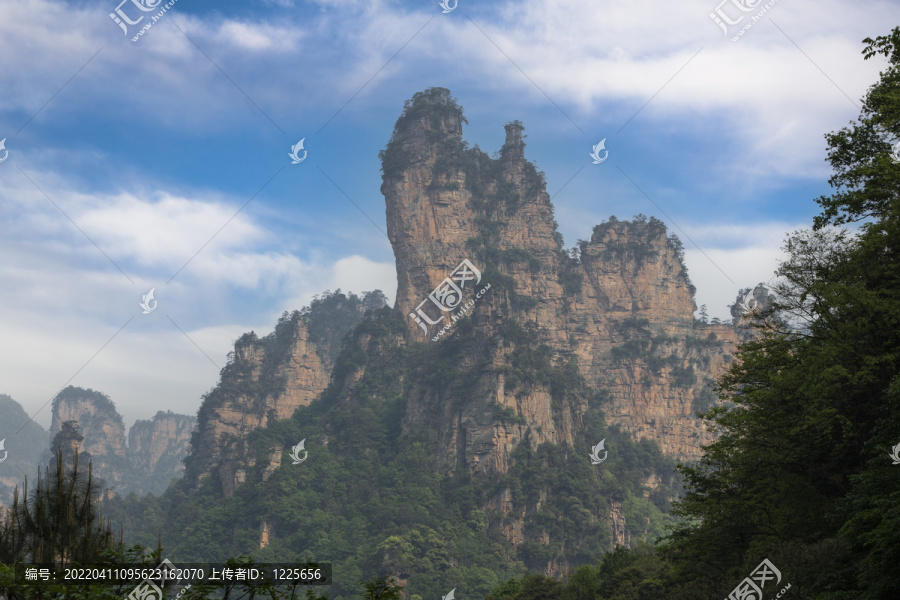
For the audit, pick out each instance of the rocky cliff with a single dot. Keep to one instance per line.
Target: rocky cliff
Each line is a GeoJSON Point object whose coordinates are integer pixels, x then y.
{"type": "Point", "coordinates": [505, 360]}
{"type": "Point", "coordinates": [268, 378]}
{"type": "Point", "coordinates": [156, 450]}
{"type": "Point", "coordinates": [620, 304]}
{"type": "Point", "coordinates": [102, 430]}
{"type": "Point", "coordinates": [88, 420]}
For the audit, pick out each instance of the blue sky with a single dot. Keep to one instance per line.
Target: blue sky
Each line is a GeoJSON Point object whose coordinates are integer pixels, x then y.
{"type": "Point", "coordinates": [127, 158]}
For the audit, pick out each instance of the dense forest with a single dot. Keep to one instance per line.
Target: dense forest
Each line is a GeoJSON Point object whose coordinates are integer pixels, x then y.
{"type": "Point", "coordinates": [798, 494]}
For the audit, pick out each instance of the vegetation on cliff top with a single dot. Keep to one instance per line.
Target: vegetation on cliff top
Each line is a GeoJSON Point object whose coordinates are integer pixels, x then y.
{"type": "Point", "coordinates": [105, 406]}
{"type": "Point", "coordinates": [642, 233]}
{"type": "Point", "coordinates": [491, 194]}
{"type": "Point", "coordinates": [328, 318]}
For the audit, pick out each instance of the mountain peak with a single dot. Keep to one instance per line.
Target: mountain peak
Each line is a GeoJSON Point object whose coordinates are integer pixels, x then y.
{"type": "Point", "coordinates": [514, 147]}
{"type": "Point", "coordinates": [430, 112]}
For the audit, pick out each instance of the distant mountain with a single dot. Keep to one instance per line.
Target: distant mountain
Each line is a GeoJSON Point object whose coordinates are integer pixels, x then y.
{"type": "Point", "coordinates": [22, 449]}
{"type": "Point", "coordinates": [156, 448]}
{"type": "Point", "coordinates": [156, 451]}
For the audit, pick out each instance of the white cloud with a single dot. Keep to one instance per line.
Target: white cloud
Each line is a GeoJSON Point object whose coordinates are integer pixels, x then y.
{"type": "Point", "coordinates": [165, 230]}
{"type": "Point", "coordinates": [141, 373]}
{"type": "Point", "coordinates": [63, 301]}
{"type": "Point", "coordinates": [258, 36]}
{"type": "Point", "coordinates": [355, 274]}
{"type": "Point", "coordinates": [762, 91]}
{"type": "Point", "coordinates": [154, 232]}
{"type": "Point", "coordinates": [150, 364]}
{"type": "Point", "coordinates": [732, 257]}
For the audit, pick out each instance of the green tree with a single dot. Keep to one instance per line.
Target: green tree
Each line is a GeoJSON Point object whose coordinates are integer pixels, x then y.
{"type": "Point", "coordinates": [800, 472]}
{"type": "Point", "coordinates": [58, 522]}
{"type": "Point", "coordinates": [637, 574]}
{"type": "Point", "coordinates": [382, 588]}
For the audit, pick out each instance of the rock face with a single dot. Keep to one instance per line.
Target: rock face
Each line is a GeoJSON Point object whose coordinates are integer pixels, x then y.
{"type": "Point", "coordinates": [298, 368]}
{"type": "Point", "coordinates": [478, 233]}
{"type": "Point", "coordinates": [102, 428]}
{"type": "Point", "coordinates": [267, 379]}
{"type": "Point", "coordinates": [622, 305]}
{"type": "Point", "coordinates": [156, 448]}
{"type": "Point", "coordinates": [634, 330]}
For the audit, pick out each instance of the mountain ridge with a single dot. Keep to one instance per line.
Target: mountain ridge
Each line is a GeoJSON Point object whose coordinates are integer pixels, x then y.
{"type": "Point", "coordinates": [87, 420]}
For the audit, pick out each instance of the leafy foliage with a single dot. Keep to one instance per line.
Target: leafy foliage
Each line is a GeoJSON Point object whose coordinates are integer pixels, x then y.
{"type": "Point", "coordinates": [429, 107]}
{"type": "Point", "coordinates": [330, 316]}
{"type": "Point", "coordinates": [99, 399]}
{"type": "Point", "coordinates": [800, 473]}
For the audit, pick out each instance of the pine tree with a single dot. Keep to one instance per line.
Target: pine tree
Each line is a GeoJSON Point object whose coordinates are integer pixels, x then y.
{"type": "Point", "coordinates": [58, 521]}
